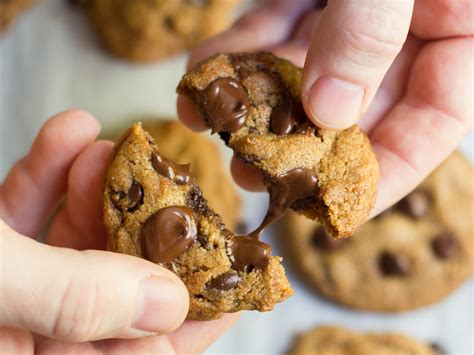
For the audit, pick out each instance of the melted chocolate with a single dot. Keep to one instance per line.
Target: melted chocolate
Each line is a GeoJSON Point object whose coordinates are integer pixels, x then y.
{"type": "Point", "coordinates": [180, 174]}
{"type": "Point", "coordinates": [226, 104]}
{"type": "Point", "coordinates": [285, 117]}
{"type": "Point", "coordinates": [168, 233]}
{"type": "Point", "coordinates": [247, 250]}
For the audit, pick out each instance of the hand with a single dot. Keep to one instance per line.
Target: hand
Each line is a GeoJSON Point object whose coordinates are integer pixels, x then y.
{"type": "Point", "coordinates": [401, 69]}
{"type": "Point", "coordinates": [59, 297]}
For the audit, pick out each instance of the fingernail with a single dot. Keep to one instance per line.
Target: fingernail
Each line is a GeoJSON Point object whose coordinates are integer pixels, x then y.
{"type": "Point", "coordinates": [335, 103]}
{"type": "Point", "coordinates": [160, 305]}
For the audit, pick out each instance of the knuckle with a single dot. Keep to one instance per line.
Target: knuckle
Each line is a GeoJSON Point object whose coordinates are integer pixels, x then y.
{"type": "Point", "coordinates": [379, 42]}
{"type": "Point", "coordinates": [79, 312]}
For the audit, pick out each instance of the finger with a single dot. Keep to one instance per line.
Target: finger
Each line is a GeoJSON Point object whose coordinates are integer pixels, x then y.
{"type": "Point", "coordinates": [16, 341]}
{"type": "Point", "coordinates": [36, 183]}
{"type": "Point", "coordinates": [189, 114]}
{"type": "Point", "coordinates": [264, 27]}
{"type": "Point", "coordinates": [425, 127]}
{"type": "Point", "coordinates": [195, 337]}
{"type": "Point", "coordinates": [80, 296]}
{"type": "Point", "coordinates": [435, 19]}
{"type": "Point", "coordinates": [352, 48]}
{"type": "Point", "coordinates": [79, 224]}
{"type": "Point", "coordinates": [191, 338]}
{"type": "Point", "coordinates": [296, 47]}
{"type": "Point", "coordinates": [246, 176]}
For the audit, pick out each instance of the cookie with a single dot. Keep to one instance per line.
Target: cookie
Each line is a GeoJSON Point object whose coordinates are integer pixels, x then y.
{"type": "Point", "coordinates": [181, 145]}
{"type": "Point", "coordinates": [412, 256]}
{"type": "Point", "coordinates": [332, 340]}
{"type": "Point", "coordinates": [253, 102]}
{"type": "Point", "coordinates": [154, 209]}
{"type": "Point", "coordinates": [10, 9]}
{"type": "Point", "coordinates": [148, 30]}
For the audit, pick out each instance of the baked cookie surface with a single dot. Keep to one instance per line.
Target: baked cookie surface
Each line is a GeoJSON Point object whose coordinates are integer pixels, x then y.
{"type": "Point", "coordinates": [153, 209]}
{"type": "Point", "coordinates": [147, 30]}
{"type": "Point", "coordinates": [253, 101]}
{"type": "Point", "coordinates": [332, 340]}
{"type": "Point", "coordinates": [10, 9]}
{"type": "Point", "coordinates": [181, 145]}
{"type": "Point", "coordinates": [409, 257]}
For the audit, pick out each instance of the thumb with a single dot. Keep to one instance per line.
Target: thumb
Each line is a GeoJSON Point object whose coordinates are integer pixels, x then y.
{"type": "Point", "coordinates": [80, 296]}
{"type": "Point", "coordinates": [352, 48]}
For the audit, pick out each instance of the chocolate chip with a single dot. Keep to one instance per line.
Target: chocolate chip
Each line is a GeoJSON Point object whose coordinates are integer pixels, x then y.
{"type": "Point", "coordinates": [445, 246]}
{"type": "Point", "coordinates": [225, 282]}
{"type": "Point", "coordinates": [322, 240]}
{"type": "Point", "coordinates": [226, 105]}
{"type": "Point", "coordinates": [285, 117]}
{"type": "Point", "coordinates": [415, 205]}
{"type": "Point", "coordinates": [437, 349]}
{"type": "Point", "coordinates": [168, 21]}
{"type": "Point", "coordinates": [168, 233]}
{"type": "Point", "coordinates": [135, 196]}
{"type": "Point", "coordinates": [394, 264]}
{"type": "Point", "coordinates": [201, 239]}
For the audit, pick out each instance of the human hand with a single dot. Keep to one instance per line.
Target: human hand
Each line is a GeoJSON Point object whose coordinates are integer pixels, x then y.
{"type": "Point", "coordinates": [59, 297]}
{"type": "Point", "coordinates": [402, 70]}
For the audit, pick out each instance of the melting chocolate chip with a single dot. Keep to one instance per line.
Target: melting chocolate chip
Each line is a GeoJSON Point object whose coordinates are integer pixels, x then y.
{"type": "Point", "coordinates": [225, 282]}
{"type": "Point", "coordinates": [285, 117]}
{"type": "Point", "coordinates": [248, 252]}
{"type": "Point", "coordinates": [202, 239]}
{"type": "Point", "coordinates": [394, 264]}
{"type": "Point", "coordinates": [322, 240]}
{"type": "Point", "coordinates": [445, 246]}
{"type": "Point", "coordinates": [135, 196]}
{"type": "Point", "coordinates": [168, 233]}
{"type": "Point", "coordinates": [415, 205]}
{"type": "Point", "coordinates": [178, 173]}
{"type": "Point", "coordinates": [437, 349]}
{"type": "Point", "coordinates": [226, 104]}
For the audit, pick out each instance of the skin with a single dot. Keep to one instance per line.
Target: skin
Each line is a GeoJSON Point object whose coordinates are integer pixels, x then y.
{"type": "Point", "coordinates": [410, 62]}
{"type": "Point", "coordinates": [91, 306]}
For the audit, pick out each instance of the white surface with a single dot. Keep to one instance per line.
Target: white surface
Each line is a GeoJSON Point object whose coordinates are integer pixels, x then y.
{"type": "Point", "coordinates": [50, 61]}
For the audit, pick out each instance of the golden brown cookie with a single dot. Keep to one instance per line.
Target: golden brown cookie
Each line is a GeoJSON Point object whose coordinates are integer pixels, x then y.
{"type": "Point", "coordinates": [153, 209]}
{"type": "Point", "coordinates": [409, 257]}
{"type": "Point", "coordinates": [10, 9]}
{"type": "Point", "coordinates": [332, 340]}
{"type": "Point", "coordinates": [181, 145]}
{"type": "Point", "coordinates": [253, 101]}
{"type": "Point", "coordinates": [147, 30]}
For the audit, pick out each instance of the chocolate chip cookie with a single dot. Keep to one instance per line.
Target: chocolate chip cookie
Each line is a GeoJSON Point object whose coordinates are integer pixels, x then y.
{"type": "Point", "coordinates": [10, 9]}
{"type": "Point", "coordinates": [154, 209]}
{"type": "Point", "coordinates": [411, 256]}
{"type": "Point", "coordinates": [181, 145]}
{"type": "Point", "coordinates": [332, 340]}
{"type": "Point", "coordinates": [253, 102]}
{"type": "Point", "coordinates": [147, 30]}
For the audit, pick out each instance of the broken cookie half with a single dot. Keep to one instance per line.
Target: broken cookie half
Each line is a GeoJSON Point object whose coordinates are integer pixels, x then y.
{"type": "Point", "coordinates": [253, 101]}
{"type": "Point", "coordinates": [153, 209]}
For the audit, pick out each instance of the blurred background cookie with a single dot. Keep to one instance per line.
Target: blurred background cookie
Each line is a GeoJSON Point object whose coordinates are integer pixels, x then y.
{"type": "Point", "coordinates": [147, 30]}
{"type": "Point", "coordinates": [10, 9]}
{"type": "Point", "coordinates": [333, 340]}
{"type": "Point", "coordinates": [414, 255]}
